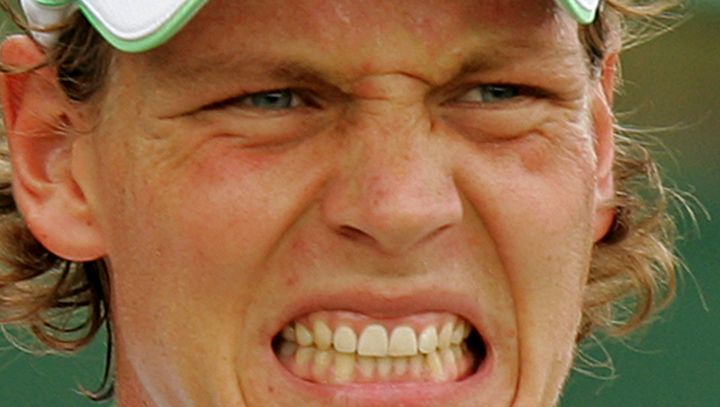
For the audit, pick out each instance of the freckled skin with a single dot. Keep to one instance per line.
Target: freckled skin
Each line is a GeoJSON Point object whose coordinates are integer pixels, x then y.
{"type": "Point", "coordinates": [216, 222]}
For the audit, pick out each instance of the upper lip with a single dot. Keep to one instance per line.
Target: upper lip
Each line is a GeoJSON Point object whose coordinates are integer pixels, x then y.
{"type": "Point", "coordinates": [384, 305]}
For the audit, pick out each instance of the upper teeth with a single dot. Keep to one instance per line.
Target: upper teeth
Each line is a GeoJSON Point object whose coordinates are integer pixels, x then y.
{"type": "Point", "coordinates": [345, 340]}
{"type": "Point", "coordinates": [375, 340]}
{"type": "Point", "coordinates": [403, 342]}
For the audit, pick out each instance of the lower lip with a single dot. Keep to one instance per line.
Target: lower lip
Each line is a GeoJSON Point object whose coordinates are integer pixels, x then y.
{"type": "Point", "coordinates": [420, 394]}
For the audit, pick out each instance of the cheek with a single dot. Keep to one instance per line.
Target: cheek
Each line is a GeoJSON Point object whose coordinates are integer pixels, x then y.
{"type": "Point", "coordinates": [535, 199]}
{"type": "Point", "coordinates": [200, 226]}
{"type": "Point", "coordinates": [183, 264]}
{"type": "Point", "coordinates": [535, 202]}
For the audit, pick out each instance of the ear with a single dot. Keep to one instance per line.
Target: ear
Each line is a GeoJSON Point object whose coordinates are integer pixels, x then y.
{"type": "Point", "coordinates": [40, 122]}
{"type": "Point", "coordinates": [603, 121]}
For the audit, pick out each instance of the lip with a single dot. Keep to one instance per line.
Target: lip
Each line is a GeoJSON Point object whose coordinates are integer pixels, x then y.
{"type": "Point", "coordinates": [391, 394]}
{"type": "Point", "coordinates": [385, 305]}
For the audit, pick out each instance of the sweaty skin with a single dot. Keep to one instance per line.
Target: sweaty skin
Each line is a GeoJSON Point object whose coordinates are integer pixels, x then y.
{"type": "Point", "coordinates": [442, 158]}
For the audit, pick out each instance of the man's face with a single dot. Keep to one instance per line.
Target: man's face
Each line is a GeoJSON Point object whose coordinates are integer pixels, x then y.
{"type": "Point", "coordinates": [376, 172]}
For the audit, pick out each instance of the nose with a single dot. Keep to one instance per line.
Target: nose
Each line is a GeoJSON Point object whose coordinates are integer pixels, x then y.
{"type": "Point", "coordinates": [397, 191]}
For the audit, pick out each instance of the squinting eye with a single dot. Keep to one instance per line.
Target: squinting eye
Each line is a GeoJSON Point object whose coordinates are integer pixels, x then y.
{"type": "Point", "coordinates": [491, 94]}
{"type": "Point", "coordinates": [273, 100]}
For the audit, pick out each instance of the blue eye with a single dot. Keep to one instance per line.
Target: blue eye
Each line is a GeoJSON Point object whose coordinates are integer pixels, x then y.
{"type": "Point", "coordinates": [273, 100]}
{"type": "Point", "coordinates": [491, 94]}
{"type": "Point", "coordinates": [496, 93]}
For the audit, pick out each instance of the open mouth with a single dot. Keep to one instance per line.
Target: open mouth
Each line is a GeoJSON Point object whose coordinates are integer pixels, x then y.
{"type": "Point", "coordinates": [342, 347]}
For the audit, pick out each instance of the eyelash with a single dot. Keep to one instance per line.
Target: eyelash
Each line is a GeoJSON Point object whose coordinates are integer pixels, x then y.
{"type": "Point", "coordinates": [240, 101]}
{"type": "Point", "coordinates": [517, 92]}
{"type": "Point", "coordinates": [301, 99]}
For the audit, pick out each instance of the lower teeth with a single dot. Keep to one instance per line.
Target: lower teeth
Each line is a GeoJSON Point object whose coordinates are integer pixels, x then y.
{"type": "Point", "coordinates": [328, 366]}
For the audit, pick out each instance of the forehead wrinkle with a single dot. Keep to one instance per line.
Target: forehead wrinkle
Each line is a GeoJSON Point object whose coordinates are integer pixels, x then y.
{"type": "Point", "coordinates": [309, 71]}
{"type": "Point", "coordinates": [488, 51]}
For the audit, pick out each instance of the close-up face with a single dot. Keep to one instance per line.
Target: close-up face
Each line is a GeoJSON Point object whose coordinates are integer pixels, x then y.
{"type": "Point", "coordinates": [343, 203]}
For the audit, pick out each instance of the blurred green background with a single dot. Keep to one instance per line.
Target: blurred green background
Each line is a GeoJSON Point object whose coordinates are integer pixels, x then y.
{"type": "Point", "coordinates": [672, 82]}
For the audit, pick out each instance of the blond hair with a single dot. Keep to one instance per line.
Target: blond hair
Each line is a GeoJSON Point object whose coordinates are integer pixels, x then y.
{"type": "Point", "coordinates": [632, 272]}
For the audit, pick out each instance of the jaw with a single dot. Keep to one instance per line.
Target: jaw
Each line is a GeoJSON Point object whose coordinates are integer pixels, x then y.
{"type": "Point", "coordinates": [498, 368]}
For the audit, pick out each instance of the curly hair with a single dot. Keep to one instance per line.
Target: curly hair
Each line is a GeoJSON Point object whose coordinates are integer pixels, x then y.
{"type": "Point", "coordinates": [633, 268]}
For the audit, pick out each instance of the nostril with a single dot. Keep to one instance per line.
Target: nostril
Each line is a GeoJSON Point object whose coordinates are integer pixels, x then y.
{"type": "Point", "coordinates": [390, 241]}
{"type": "Point", "coordinates": [437, 232]}
{"type": "Point", "coordinates": [353, 233]}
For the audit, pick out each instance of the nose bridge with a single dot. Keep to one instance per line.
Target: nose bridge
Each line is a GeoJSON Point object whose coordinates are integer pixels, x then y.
{"type": "Point", "coordinates": [389, 117]}
{"type": "Point", "coordinates": [399, 166]}
{"type": "Point", "coordinates": [398, 189]}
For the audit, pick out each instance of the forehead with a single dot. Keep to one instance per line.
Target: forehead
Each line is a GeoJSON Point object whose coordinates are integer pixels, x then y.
{"type": "Point", "coordinates": [369, 34]}
{"type": "Point", "coordinates": [325, 19]}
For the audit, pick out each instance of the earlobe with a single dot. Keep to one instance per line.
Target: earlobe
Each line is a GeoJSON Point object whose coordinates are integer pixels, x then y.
{"type": "Point", "coordinates": [40, 124]}
{"type": "Point", "coordinates": [603, 121]}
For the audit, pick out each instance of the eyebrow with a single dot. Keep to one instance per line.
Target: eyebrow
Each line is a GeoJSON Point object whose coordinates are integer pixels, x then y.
{"type": "Point", "coordinates": [224, 65]}
{"type": "Point", "coordinates": [481, 62]}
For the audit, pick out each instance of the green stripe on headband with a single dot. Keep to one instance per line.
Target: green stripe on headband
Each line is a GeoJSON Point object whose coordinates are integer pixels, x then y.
{"type": "Point", "coordinates": [584, 11]}
{"type": "Point", "coordinates": [163, 34]}
{"type": "Point", "coordinates": [54, 3]}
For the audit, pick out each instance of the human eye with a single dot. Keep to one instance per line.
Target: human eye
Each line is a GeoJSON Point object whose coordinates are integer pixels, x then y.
{"type": "Point", "coordinates": [272, 100]}
{"type": "Point", "coordinates": [492, 94]}
{"type": "Point", "coordinates": [276, 100]}
{"type": "Point", "coordinates": [270, 117]}
{"type": "Point", "coordinates": [499, 110]}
